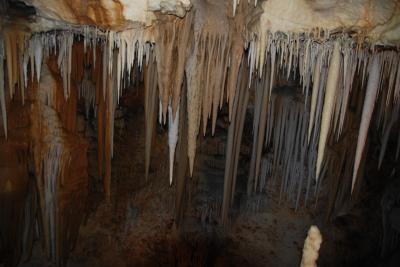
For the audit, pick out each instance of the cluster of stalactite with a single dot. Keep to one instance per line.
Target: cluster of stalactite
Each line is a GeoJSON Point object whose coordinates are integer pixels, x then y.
{"type": "Point", "coordinates": [47, 177]}
{"type": "Point", "coordinates": [60, 165]}
{"type": "Point", "coordinates": [193, 68]}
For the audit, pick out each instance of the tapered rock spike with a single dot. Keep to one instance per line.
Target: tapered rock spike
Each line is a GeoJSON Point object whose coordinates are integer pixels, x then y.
{"type": "Point", "coordinates": [172, 138]}
{"type": "Point", "coordinates": [331, 87]}
{"type": "Point", "coordinates": [369, 103]}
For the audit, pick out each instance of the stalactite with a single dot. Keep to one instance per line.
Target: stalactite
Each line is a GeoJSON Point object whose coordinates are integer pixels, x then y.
{"type": "Point", "coordinates": [331, 87]}
{"type": "Point", "coordinates": [87, 90]}
{"type": "Point", "coordinates": [394, 116]}
{"type": "Point", "coordinates": [234, 141]}
{"type": "Point", "coordinates": [100, 133]}
{"type": "Point", "coordinates": [172, 36]}
{"type": "Point", "coordinates": [398, 148]}
{"type": "Point", "coordinates": [38, 51]}
{"type": "Point", "coordinates": [173, 122]}
{"type": "Point", "coordinates": [397, 87]}
{"type": "Point", "coordinates": [2, 92]}
{"type": "Point", "coordinates": [260, 114]}
{"type": "Point", "coordinates": [10, 43]}
{"type": "Point", "coordinates": [182, 160]}
{"type": "Point", "coordinates": [64, 60]}
{"type": "Point", "coordinates": [109, 120]}
{"type": "Point", "coordinates": [369, 103]}
{"type": "Point", "coordinates": [209, 57]}
{"type": "Point", "coordinates": [60, 168]}
{"type": "Point", "coordinates": [349, 70]}
{"type": "Point", "coordinates": [235, 59]}
{"type": "Point", "coordinates": [150, 87]}
{"type": "Point", "coordinates": [315, 91]}
{"type": "Point", "coordinates": [194, 96]}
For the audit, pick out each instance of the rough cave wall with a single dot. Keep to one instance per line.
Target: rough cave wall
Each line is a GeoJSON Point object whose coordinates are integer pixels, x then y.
{"type": "Point", "coordinates": [18, 189]}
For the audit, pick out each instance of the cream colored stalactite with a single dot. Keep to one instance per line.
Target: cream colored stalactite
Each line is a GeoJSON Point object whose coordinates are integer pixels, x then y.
{"type": "Point", "coordinates": [164, 54]}
{"type": "Point", "coordinates": [184, 28]}
{"type": "Point", "coordinates": [368, 108]}
{"type": "Point", "coordinates": [235, 60]}
{"type": "Point", "coordinates": [329, 101]}
{"type": "Point", "coordinates": [172, 37]}
{"type": "Point", "coordinates": [218, 77]}
{"type": "Point", "coordinates": [194, 76]}
{"type": "Point", "coordinates": [311, 247]}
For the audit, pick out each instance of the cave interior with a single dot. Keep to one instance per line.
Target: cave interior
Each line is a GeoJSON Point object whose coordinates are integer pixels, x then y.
{"type": "Point", "coordinates": [199, 133]}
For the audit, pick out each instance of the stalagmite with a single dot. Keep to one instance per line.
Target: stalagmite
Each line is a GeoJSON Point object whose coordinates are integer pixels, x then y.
{"type": "Point", "coordinates": [311, 247]}
{"type": "Point", "coordinates": [369, 103]}
{"type": "Point", "coordinates": [173, 122]}
{"type": "Point", "coordinates": [327, 112]}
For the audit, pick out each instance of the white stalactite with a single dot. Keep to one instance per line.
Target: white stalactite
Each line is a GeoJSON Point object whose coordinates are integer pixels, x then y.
{"type": "Point", "coordinates": [172, 138]}
{"type": "Point", "coordinates": [368, 108]}
{"type": "Point", "coordinates": [38, 56]}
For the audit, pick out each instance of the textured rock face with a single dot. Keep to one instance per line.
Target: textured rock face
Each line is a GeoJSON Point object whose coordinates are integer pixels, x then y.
{"type": "Point", "coordinates": [108, 13]}
{"type": "Point", "coordinates": [380, 20]}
